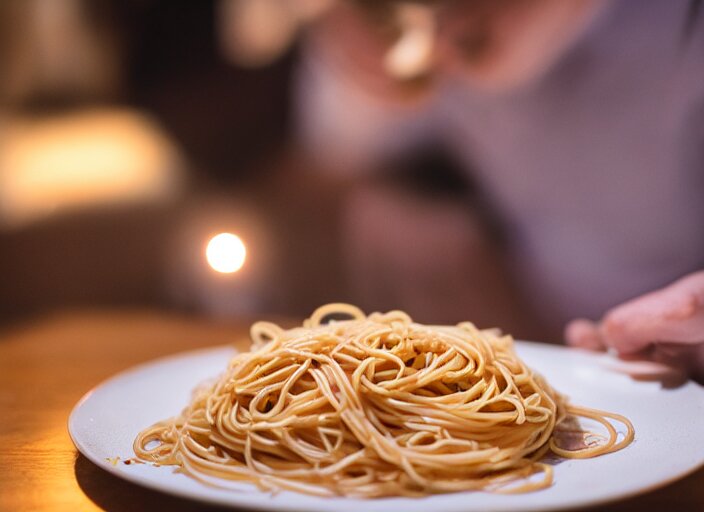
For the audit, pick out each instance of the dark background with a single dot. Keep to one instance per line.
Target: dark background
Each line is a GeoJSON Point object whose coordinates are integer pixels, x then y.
{"type": "Point", "coordinates": [231, 126]}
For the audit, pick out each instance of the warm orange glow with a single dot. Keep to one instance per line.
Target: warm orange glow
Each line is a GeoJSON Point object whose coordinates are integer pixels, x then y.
{"type": "Point", "coordinates": [226, 253]}
{"type": "Point", "coordinates": [82, 159]}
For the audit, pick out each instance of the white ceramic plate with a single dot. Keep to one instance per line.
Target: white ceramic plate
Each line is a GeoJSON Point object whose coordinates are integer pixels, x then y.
{"type": "Point", "coordinates": [669, 439]}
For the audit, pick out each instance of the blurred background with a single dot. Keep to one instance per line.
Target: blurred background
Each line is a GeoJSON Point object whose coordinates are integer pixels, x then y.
{"type": "Point", "coordinates": [129, 136]}
{"type": "Point", "coordinates": [133, 132]}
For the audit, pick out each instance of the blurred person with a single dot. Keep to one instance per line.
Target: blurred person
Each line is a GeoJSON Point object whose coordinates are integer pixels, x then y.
{"type": "Point", "coordinates": [581, 122]}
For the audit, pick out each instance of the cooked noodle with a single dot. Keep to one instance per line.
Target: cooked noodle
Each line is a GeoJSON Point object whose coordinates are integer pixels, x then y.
{"type": "Point", "coordinates": [374, 406]}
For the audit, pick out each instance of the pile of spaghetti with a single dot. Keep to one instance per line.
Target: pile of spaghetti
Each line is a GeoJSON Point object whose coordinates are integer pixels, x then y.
{"type": "Point", "coordinates": [371, 406]}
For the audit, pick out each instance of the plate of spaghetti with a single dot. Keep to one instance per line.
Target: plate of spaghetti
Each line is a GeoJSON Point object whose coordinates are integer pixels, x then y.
{"type": "Point", "coordinates": [352, 410]}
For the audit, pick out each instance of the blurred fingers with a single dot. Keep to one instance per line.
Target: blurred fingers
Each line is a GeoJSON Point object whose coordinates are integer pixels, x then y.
{"type": "Point", "coordinates": [583, 333]}
{"type": "Point", "coordinates": [674, 314]}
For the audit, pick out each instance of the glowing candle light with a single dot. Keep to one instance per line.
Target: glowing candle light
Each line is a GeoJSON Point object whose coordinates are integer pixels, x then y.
{"type": "Point", "coordinates": [226, 253]}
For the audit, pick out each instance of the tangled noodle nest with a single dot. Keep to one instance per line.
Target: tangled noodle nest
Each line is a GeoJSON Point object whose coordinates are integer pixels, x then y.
{"type": "Point", "coordinates": [373, 406]}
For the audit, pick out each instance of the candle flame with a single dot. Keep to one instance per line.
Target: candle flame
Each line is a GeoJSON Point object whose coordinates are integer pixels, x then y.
{"type": "Point", "coordinates": [226, 253]}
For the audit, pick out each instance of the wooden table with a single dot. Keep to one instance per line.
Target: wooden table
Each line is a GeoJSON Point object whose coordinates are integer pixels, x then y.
{"type": "Point", "coordinates": [46, 365]}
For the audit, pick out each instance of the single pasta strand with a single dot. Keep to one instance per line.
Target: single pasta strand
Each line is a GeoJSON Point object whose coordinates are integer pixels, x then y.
{"type": "Point", "coordinates": [374, 406]}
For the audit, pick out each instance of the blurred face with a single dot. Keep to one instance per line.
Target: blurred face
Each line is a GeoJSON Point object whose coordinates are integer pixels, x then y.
{"type": "Point", "coordinates": [493, 43]}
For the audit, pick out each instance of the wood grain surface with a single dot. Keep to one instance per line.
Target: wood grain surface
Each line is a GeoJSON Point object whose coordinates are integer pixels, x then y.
{"type": "Point", "coordinates": [47, 364]}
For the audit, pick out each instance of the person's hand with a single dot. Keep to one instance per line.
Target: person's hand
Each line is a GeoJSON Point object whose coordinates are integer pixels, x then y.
{"type": "Point", "coordinates": [664, 327]}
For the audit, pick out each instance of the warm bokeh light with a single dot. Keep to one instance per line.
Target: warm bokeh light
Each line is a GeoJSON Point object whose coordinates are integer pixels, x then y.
{"type": "Point", "coordinates": [226, 253]}
{"type": "Point", "coordinates": [82, 159]}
